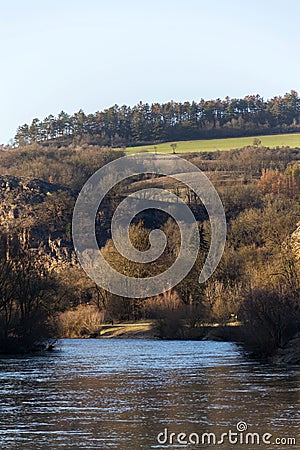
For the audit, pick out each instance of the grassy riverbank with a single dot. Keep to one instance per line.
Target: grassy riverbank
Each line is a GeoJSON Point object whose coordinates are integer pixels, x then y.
{"type": "Point", "coordinates": [139, 330]}
{"type": "Point", "coordinates": [151, 330]}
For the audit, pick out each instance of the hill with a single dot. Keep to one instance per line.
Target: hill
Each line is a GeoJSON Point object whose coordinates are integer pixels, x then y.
{"type": "Point", "coordinates": [210, 145]}
{"type": "Point", "coordinates": [144, 123]}
{"type": "Point", "coordinates": [259, 188]}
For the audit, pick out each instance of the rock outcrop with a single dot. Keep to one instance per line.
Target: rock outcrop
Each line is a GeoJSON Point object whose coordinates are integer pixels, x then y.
{"type": "Point", "coordinates": [295, 242]}
{"type": "Point", "coordinates": [290, 353]}
{"type": "Point", "coordinates": [18, 196]}
{"type": "Point", "coordinates": [33, 211]}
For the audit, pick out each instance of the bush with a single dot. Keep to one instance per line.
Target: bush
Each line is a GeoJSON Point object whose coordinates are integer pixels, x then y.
{"type": "Point", "coordinates": [83, 321]}
{"type": "Point", "coordinates": [168, 311]}
{"type": "Point", "coordinates": [271, 318]}
{"type": "Point", "coordinates": [27, 300]}
{"type": "Point", "coordinates": [223, 301]}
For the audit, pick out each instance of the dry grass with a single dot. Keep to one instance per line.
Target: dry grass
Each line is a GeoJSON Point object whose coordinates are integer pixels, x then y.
{"type": "Point", "coordinates": [85, 320]}
{"type": "Point", "coordinates": [127, 330]}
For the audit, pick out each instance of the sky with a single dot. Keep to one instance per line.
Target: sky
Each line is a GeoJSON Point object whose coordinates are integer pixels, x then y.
{"type": "Point", "coordinates": [91, 54]}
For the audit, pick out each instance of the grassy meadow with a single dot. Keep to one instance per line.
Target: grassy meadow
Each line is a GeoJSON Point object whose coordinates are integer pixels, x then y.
{"type": "Point", "coordinates": [211, 145]}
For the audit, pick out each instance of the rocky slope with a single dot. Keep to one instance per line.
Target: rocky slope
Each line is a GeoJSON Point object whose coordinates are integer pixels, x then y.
{"type": "Point", "coordinates": [18, 195]}
{"type": "Point", "coordinates": [295, 242]}
{"type": "Point", "coordinates": [290, 353]}
{"type": "Point", "coordinates": [39, 213]}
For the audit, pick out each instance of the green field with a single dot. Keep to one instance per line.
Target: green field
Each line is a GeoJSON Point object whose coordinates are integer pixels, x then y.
{"type": "Point", "coordinates": [278, 140]}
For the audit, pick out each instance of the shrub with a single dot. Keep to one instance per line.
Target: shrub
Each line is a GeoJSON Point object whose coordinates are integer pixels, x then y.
{"type": "Point", "coordinates": [85, 320]}
{"type": "Point", "coordinates": [271, 317]}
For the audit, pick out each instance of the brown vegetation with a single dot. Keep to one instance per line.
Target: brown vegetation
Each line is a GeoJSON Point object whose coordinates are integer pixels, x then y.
{"type": "Point", "coordinates": [256, 283]}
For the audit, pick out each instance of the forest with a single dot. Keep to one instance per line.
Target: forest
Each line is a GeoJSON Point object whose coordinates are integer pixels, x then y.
{"type": "Point", "coordinates": [44, 293]}
{"type": "Point", "coordinates": [121, 126]}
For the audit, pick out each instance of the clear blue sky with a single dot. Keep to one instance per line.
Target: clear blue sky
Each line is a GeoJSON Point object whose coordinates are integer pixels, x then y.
{"type": "Point", "coordinates": [90, 54]}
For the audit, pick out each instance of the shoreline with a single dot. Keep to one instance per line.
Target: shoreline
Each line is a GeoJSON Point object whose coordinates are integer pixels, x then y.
{"type": "Point", "coordinates": [149, 330]}
{"type": "Point", "coordinates": [288, 355]}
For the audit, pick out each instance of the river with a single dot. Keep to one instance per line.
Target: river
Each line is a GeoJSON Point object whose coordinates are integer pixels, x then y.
{"type": "Point", "coordinates": [132, 394]}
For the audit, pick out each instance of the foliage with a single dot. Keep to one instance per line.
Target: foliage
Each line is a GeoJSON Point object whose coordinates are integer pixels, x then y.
{"type": "Point", "coordinates": [27, 302]}
{"type": "Point", "coordinates": [82, 321]}
{"type": "Point", "coordinates": [257, 280]}
{"type": "Point", "coordinates": [122, 125]}
{"type": "Point", "coordinates": [69, 166]}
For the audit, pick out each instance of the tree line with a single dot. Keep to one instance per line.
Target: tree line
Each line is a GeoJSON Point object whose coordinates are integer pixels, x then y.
{"type": "Point", "coordinates": [120, 126]}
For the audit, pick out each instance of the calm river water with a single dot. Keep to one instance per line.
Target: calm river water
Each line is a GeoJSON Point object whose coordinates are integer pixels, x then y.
{"type": "Point", "coordinates": [120, 394]}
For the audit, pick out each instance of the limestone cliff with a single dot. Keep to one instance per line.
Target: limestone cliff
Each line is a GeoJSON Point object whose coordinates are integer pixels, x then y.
{"type": "Point", "coordinates": [295, 242]}
{"type": "Point", "coordinates": [38, 214]}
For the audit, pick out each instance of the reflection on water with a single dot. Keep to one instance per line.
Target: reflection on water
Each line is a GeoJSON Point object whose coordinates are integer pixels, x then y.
{"type": "Point", "coordinates": [119, 394]}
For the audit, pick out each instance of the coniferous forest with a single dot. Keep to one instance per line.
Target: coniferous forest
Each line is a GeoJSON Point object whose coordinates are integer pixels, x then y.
{"type": "Point", "coordinates": [120, 126]}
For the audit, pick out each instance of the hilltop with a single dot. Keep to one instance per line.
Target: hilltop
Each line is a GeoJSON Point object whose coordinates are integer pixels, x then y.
{"type": "Point", "coordinates": [291, 140]}
{"type": "Point", "coordinates": [125, 126]}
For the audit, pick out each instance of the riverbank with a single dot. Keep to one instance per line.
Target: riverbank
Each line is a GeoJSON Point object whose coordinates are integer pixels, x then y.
{"type": "Point", "coordinates": [232, 332]}
{"type": "Point", "coordinates": [290, 353]}
{"type": "Point", "coordinates": [149, 330]}
{"type": "Point", "coordinates": [138, 330]}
